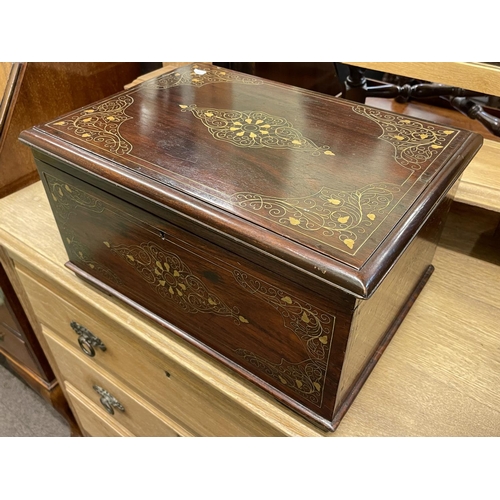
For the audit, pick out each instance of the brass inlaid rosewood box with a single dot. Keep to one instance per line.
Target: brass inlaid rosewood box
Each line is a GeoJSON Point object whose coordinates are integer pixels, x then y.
{"type": "Point", "coordinates": [282, 231]}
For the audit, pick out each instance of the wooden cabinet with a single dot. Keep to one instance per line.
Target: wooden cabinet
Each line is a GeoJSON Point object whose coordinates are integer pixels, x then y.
{"type": "Point", "coordinates": [437, 378]}
{"type": "Point", "coordinates": [20, 349]}
{"type": "Point", "coordinates": [160, 396]}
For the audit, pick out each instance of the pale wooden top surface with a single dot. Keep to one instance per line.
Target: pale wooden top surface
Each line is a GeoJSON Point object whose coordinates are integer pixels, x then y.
{"type": "Point", "coordinates": [439, 376]}
{"type": "Point", "coordinates": [479, 77]}
{"type": "Point", "coordinates": [5, 68]}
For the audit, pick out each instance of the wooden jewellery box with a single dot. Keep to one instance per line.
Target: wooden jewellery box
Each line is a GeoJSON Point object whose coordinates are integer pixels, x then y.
{"type": "Point", "coordinates": [282, 231]}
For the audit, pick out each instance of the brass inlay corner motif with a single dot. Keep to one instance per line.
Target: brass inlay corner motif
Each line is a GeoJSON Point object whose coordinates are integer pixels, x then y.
{"type": "Point", "coordinates": [172, 279]}
{"type": "Point", "coordinates": [68, 198]}
{"type": "Point", "coordinates": [312, 327]}
{"type": "Point", "coordinates": [82, 253]}
{"type": "Point", "coordinates": [414, 142]}
{"type": "Point", "coordinates": [346, 215]}
{"type": "Point", "coordinates": [254, 129]}
{"type": "Point", "coordinates": [305, 378]}
{"type": "Point", "coordinates": [198, 76]}
{"type": "Point", "coordinates": [101, 124]}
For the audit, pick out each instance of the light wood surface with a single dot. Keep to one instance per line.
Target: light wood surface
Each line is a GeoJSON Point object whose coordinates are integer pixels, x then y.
{"type": "Point", "coordinates": [94, 422]}
{"type": "Point", "coordinates": [480, 183]}
{"type": "Point", "coordinates": [166, 67]}
{"type": "Point", "coordinates": [181, 395]}
{"type": "Point", "coordinates": [5, 68]}
{"type": "Point", "coordinates": [478, 77]}
{"type": "Point", "coordinates": [140, 418]}
{"type": "Point", "coordinates": [438, 377]}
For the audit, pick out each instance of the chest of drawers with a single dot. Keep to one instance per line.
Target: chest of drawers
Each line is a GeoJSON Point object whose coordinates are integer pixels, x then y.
{"type": "Point", "coordinates": [282, 232]}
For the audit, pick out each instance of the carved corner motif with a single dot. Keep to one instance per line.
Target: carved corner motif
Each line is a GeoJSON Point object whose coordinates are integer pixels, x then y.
{"type": "Point", "coordinates": [254, 129]}
{"type": "Point", "coordinates": [172, 279]}
{"type": "Point", "coordinates": [68, 198]}
{"type": "Point", "coordinates": [345, 215]}
{"type": "Point", "coordinates": [100, 125]}
{"type": "Point", "coordinates": [198, 76]}
{"type": "Point", "coordinates": [415, 143]}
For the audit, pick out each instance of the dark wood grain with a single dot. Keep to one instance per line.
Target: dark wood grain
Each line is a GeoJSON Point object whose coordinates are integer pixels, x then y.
{"type": "Point", "coordinates": [42, 91]}
{"type": "Point", "coordinates": [162, 147]}
{"type": "Point", "coordinates": [270, 255]}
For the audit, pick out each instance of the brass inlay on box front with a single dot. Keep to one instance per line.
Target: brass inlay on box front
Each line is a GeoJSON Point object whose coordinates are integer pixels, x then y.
{"type": "Point", "coordinates": [346, 215]}
{"type": "Point", "coordinates": [314, 329]}
{"type": "Point", "coordinates": [68, 198]}
{"type": "Point", "coordinates": [305, 378]}
{"type": "Point", "coordinates": [81, 252]}
{"type": "Point", "coordinates": [414, 142]}
{"type": "Point", "coordinates": [311, 326]}
{"type": "Point", "coordinates": [254, 129]}
{"type": "Point", "coordinates": [172, 279]}
{"type": "Point", "coordinates": [100, 124]}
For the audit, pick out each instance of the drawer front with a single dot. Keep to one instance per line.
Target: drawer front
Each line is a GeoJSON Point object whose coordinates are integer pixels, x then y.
{"type": "Point", "coordinates": [16, 347]}
{"type": "Point", "coordinates": [126, 408]}
{"type": "Point", "coordinates": [196, 406]}
{"type": "Point", "coordinates": [93, 421]}
{"type": "Point", "coordinates": [280, 335]}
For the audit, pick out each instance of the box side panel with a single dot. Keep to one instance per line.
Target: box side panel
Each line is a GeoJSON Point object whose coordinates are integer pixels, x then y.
{"type": "Point", "coordinates": [374, 317]}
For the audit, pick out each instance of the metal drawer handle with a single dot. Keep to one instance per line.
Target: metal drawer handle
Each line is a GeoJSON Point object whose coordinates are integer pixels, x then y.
{"type": "Point", "coordinates": [87, 340]}
{"type": "Point", "coordinates": [108, 401]}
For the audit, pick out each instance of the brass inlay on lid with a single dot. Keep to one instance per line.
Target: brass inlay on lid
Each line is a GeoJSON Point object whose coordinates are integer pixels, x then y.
{"type": "Point", "coordinates": [100, 124]}
{"type": "Point", "coordinates": [414, 142]}
{"type": "Point", "coordinates": [340, 218]}
{"type": "Point", "coordinates": [254, 129]}
{"type": "Point", "coordinates": [198, 76]}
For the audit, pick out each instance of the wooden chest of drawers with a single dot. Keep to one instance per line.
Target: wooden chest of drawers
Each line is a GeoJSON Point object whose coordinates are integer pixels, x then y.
{"type": "Point", "coordinates": [283, 232]}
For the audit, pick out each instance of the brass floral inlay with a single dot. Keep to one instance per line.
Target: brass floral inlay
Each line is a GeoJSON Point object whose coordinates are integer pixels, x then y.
{"type": "Point", "coordinates": [100, 124]}
{"type": "Point", "coordinates": [346, 215]}
{"type": "Point", "coordinates": [68, 198]}
{"type": "Point", "coordinates": [414, 142]}
{"type": "Point", "coordinates": [311, 326]}
{"type": "Point", "coordinates": [172, 279]}
{"type": "Point", "coordinates": [82, 253]}
{"type": "Point", "coordinates": [305, 378]}
{"type": "Point", "coordinates": [314, 329]}
{"type": "Point", "coordinates": [254, 129]}
{"type": "Point", "coordinates": [198, 76]}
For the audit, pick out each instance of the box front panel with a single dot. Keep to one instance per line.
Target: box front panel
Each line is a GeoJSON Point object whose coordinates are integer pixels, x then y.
{"type": "Point", "coordinates": [279, 334]}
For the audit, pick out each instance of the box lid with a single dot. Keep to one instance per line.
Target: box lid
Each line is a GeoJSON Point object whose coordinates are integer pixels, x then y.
{"type": "Point", "coordinates": [335, 187]}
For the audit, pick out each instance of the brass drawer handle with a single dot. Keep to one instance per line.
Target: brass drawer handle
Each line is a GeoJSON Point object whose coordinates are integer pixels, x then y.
{"type": "Point", "coordinates": [87, 340]}
{"type": "Point", "coordinates": [109, 402]}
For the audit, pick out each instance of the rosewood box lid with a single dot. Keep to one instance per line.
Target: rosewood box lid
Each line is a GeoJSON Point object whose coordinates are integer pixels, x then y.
{"type": "Point", "coordinates": [337, 187]}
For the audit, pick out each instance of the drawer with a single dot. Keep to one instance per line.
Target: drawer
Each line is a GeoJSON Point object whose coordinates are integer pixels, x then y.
{"type": "Point", "coordinates": [17, 348]}
{"type": "Point", "coordinates": [93, 421]}
{"type": "Point", "coordinates": [196, 406]}
{"type": "Point", "coordinates": [126, 408]}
